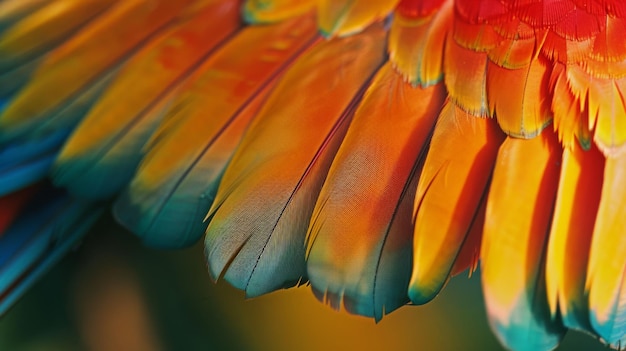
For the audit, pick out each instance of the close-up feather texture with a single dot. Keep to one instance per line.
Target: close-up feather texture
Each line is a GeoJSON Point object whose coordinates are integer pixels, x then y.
{"type": "Point", "coordinates": [369, 149]}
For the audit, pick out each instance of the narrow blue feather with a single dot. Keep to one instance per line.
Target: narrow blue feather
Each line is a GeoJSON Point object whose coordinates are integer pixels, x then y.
{"type": "Point", "coordinates": [14, 154]}
{"type": "Point", "coordinates": [25, 174]}
{"type": "Point", "coordinates": [40, 237]}
{"type": "Point", "coordinates": [24, 163]}
{"type": "Point", "coordinates": [24, 230]}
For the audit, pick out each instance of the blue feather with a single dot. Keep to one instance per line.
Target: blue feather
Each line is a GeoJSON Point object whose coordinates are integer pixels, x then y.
{"type": "Point", "coordinates": [25, 174]}
{"type": "Point", "coordinates": [40, 237]}
{"type": "Point", "coordinates": [16, 153]}
{"type": "Point", "coordinates": [24, 163]}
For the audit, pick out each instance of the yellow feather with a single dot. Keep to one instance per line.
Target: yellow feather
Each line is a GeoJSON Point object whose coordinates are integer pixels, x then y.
{"type": "Point", "coordinates": [606, 282]}
{"type": "Point", "coordinates": [519, 208]}
{"type": "Point", "coordinates": [577, 202]}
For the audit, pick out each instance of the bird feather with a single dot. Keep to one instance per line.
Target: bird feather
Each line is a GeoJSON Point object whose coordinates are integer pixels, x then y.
{"type": "Point", "coordinates": [417, 38]}
{"type": "Point", "coordinates": [455, 177]}
{"type": "Point", "coordinates": [519, 209]}
{"type": "Point", "coordinates": [38, 238]}
{"type": "Point", "coordinates": [174, 185]}
{"type": "Point", "coordinates": [346, 17]}
{"type": "Point", "coordinates": [575, 211]}
{"type": "Point", "coordinates": [606, 272]}
{"type": "Point", "coordinates": [258, 223]}
{"type": "Point", "coordinates": [358, 242]}
{"type": "Point", "coordinates": [90, 164]}
{"type": "Point", "coordinates": [45, 28]}
{"type": "Point", "coordinates": [269, 11]}
{"type": "Point", "coordinates": [79, 64]}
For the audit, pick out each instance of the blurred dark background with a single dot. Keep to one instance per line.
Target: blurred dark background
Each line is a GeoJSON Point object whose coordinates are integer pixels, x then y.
{"type": "Point", "coordinates": [112, 294]}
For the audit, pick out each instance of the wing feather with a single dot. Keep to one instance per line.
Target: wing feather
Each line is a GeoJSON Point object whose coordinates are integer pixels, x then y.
{"type": "Point", "coordinates": [45, 28]}
{"type": "Point", "coordinates": [47, 228]}
{"type": "Point", "coordinates": [256, 236]}
{"type": "Point", "coordinates": [519, 210]}
{"type": "Point", "coordinates": [606, 273]}
{"type": "Point", "coordinates": [346, 17]}
{"type": "Point", "coordinates": [358, 242]}
{"type": "Point", "coordinates": [91, 164]}
{"type": "Point", "coordinates": [55, 96]}
{"type": "Point", "coordinates": [577, 201]}
{"type": "Point", "coordinates": [417, 38]}
{"type": "Point", "coordinates": [175, 183]}
{"type": "Point", "coordinates": [268, 11]}
{"type": "Point", "coordinates": [456, 175]}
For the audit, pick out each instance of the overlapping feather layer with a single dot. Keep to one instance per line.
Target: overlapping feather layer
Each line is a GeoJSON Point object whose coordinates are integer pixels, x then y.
{"type": "Point", "coordinates": [492, 131]}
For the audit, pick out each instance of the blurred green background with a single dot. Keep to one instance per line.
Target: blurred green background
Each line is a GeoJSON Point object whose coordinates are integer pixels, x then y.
{"type": "Point", "coordinates": [112, 294]}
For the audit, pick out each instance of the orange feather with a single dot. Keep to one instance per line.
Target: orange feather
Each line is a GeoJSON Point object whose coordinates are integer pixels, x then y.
{"type": "Point", "coordinates": [517, 39]}
{"type": "Point", "coordinates": [87, 161]}
{"type": "Point", "coordinates": [174, 185]}
{"type": "Point", "coordinates": [570, 118]}
{"type": "Point", "coordinates": [466, 77]}
{"type": "Point", "coordinates": [256, 236]}
{"type": "Point", "coordinates": [266, 115]}
{"type": "Point", "coordinates": [359, 239]}
{"type": "Point", "coordinates": [609, 45]}
{"type": "Point", "coordinates": [416, 41]}
{"type": "Point", "coordinates": [520, 98]}
{"type": "Point", "coordinates": [453, 182]}
{"type": "Point", "coordinates": [45, 28]}
{"type": "Point", "coordinates": [53, 96]}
